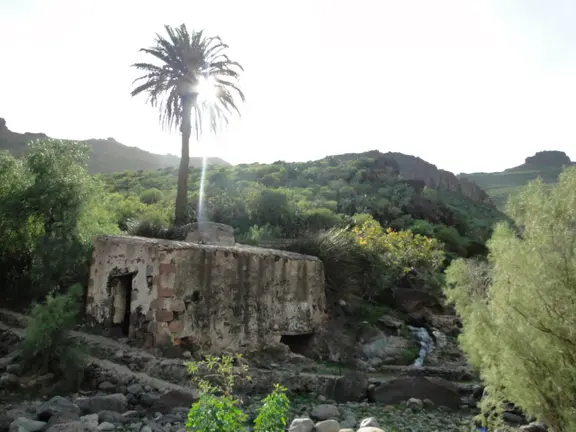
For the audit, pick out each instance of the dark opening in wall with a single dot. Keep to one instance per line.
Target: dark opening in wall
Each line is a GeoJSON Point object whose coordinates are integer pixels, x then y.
{"type": "Point", "coordinates": [298, 344]}
{"type": "Point", "coordinates": [121, 292]}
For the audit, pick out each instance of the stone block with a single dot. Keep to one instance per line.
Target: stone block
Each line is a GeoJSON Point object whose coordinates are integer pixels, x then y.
{"type": "Point", "coordinates": [176, 326]}
{"type": "Point", "coordinates": [211, 233]}
{"type": "Point", "coordinates": [167, 268]}
{"type": "Point", "coordinates": [164, 316]}
{"type": "Point", "coordinates": [177, 305]}
{"type": "Point", "coordinates": [165, 292]}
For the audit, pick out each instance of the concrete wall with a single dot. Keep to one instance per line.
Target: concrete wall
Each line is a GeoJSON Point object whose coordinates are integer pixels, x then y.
{"type": "Point", "coordinates": [212, 297]}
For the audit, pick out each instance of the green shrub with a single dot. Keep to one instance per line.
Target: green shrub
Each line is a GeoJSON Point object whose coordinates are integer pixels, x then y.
{"type": "Point", "coordinates": [348, 267]}
{"type": "Point", "coordinates": [219, 409]}
{"type": "Point", "coordinates": [47, 347]}
{"type": "Point", "coordinates": [518, 308]}
{"type": "Point", "coordinates": [151, 196]}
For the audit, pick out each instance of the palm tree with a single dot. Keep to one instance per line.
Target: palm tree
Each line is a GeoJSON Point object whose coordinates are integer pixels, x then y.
{"type": "Point", "coordinates": [187, 63]}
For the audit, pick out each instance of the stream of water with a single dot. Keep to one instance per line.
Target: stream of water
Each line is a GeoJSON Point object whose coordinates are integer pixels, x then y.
{"type": "Point", "coordinates": [426, 344]}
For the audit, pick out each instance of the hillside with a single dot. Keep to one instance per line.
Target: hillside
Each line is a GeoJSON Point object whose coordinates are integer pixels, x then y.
{"type": "Point", "coordinates": [417, 169]}
{"type": "Point", "coordinates": [499, 185]}
{"type": "Point", "coordinates": [107, 155]}
{"type": "Point", "coordinates": [284, 199]}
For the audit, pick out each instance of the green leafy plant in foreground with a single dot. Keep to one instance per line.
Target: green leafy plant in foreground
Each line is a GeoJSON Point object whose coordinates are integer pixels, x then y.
{"type": "Point", "coordinates": [219, 410]}
{"type": "Point", "coordinates": [47, 347]}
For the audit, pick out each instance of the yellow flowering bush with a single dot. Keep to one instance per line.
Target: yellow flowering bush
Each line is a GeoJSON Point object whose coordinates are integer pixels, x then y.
{"type": "Point", "coordinates": [403, 251]}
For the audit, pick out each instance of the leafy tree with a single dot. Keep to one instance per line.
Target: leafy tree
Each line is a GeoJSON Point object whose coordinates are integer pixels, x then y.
{"type": "Point", "coordinates": [518, 308]}
{"type": "Point", "coordinates": [189, 64]}
{"type": "Point", "coordinates": [51, 211]}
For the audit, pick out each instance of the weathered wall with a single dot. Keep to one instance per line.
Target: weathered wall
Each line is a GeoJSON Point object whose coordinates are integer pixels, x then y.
{"type": "Point", "coordinates": [215, 297]}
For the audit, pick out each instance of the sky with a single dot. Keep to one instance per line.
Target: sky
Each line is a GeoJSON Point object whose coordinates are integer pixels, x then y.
{"type": "Point", "coordinates": [468, 85]}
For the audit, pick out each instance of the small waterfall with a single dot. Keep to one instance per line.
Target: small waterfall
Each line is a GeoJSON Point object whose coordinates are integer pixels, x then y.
{"type": "Point", "coordinates": [426, 344]}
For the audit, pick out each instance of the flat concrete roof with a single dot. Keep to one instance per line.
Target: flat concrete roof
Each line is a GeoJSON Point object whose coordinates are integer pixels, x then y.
{"type": "Point", "coordinates": [163, 244]}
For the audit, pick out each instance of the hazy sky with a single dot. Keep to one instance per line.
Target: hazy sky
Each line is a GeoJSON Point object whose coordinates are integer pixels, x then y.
{"type": "Point", "coordinates": [469, 85]}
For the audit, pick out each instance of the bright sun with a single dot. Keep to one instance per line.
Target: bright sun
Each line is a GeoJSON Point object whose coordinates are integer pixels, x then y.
{"type": "Point", "coordinates": [207, 91]}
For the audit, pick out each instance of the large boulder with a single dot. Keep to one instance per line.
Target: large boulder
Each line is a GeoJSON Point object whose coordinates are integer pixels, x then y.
{"type": "Point", "coordinates": [348, 388]}
{"type": "Point", "coordinates": [398, 390]}
{"type": "Point", "coordinates": [57, 406]}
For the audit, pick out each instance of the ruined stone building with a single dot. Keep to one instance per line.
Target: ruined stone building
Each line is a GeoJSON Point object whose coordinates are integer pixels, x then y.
{"type": "Point", "coordinates": [210, 297]}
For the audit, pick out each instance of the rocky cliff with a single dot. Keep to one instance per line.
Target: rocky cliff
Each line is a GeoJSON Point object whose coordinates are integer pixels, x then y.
{"type": "Point", "coordinates": [548, 158]}
{"type": "Point", "coordinates": [415, 168]}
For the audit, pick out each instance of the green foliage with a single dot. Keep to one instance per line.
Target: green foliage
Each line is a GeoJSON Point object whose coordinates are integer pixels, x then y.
{"type": "Point", "coordinates": [403, 253]}
{"type": "Point", "coordinates": [517, 308]}
{"type": "Point", "coordinates": [216, 414]}
{"type": "Point", "coordinates": [47, 347]}
{"type": "Point", "coordinates": [219, 410]}
{"type": "Point", "coordinates": [272, 414]}
{"type": "Point", "coordinates": [347, 265]}
{"type": "Point", "coordinates": [293, 200]}
{"type": "Point", "coordinates": [51, 211]}
{"type": "Point", "coordinates": [151, 196]}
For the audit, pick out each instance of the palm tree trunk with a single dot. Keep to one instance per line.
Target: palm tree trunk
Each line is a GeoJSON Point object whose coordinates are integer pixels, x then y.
{"type": "Point", "coordinates": [181, 208]}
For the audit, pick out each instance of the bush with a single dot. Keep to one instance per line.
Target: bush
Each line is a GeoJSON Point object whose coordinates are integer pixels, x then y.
{"type": "Point", "coordinates": [403, 253]}
{"type": "Point", "coordinates": [47, 347]}
{"type": "Point", "coordinates": [348, 267]}
{"type": "Point", "coordinates": [218, 409]}
{"type": "Point", "coordinates": [151, 196]}
{"type": "Point", "coordinates": [518, 308]}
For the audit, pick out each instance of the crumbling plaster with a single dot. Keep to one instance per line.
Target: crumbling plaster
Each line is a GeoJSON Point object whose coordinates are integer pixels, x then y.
{"type": "Point", "coordinates": [213, 297]}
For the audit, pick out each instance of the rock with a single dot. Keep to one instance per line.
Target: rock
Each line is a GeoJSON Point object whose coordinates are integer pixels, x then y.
{"type": "Point", "coordinates": [415, 302]}
{"type": "Point", "coordinates": [348, 388]}
{"type": "Point", "coordinates": [56, 405]}
{"type": "Point", "coordinates": [325, 412]}
{"type": "Point", "coordinates": [513, 418]}
{"type": "Point", "coordinates": [91, 421]}
{"type": "Point", "coordinates": [414, 404]}
{"type": "Point", "coordinates": [107, 386]}
{"type": "Point", "coordinates": [27, 424]}
{"type": "Point", "coordinates": [386, 350]}
{"type": "Point", "coordinates": [369, 429]}
{"type": "Point", "coordinates": [349, 421]}
{"type": "Point", "coordinates": [369, 422]}
{"type": "Point", "coordinates": [149, 399]}
{"type": "Point", "coordinates": [174, 398]}
{"type": "Point", "coordinates": [301, 425]}
{"type": "Point", "coordinates": [111, 417]}
{"type": "Point", "coordinates": [428, 403]}
{"type": "Point", "coordinates": [390, 322]}
{"type": "Point", "coordinates": [9, 381]}
{"type": "Point", "coordinates": [63, 417]}
{"type": "Point", "coordinates": [398, 390]}
{"type": "Point", "coordinates": [534, 427]}
{"type": "Point", "coordinates": [327, 426]}
{"type": "Point", "coordinates": [67, 427]}
{"type": "Point", "coordinates": [115, 402]}
{"type": "Point", "coordinates": [5, 422]}
{"type": "Point", "coordinates": [135, 389]}
{"type": "Point", "coordinates": [14, 369]}
{"type": "Point", "coordinates": [105, 426]}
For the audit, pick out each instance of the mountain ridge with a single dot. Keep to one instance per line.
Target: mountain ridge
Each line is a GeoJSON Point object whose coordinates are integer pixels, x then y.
{"type": "Point", "coordinates": [106, 156]}
{"type": "Point", "coordinates": [547, 165]}
{"type": "Point", "coordinates": [414, 168]}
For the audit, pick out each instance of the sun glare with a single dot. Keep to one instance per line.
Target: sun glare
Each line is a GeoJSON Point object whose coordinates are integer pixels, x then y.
{"type": "Point", "coordinates": [207, 91]}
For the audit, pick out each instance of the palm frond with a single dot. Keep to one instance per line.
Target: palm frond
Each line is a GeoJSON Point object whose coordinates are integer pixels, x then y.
{"type": "Point", "coordinates": [184, 56]}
